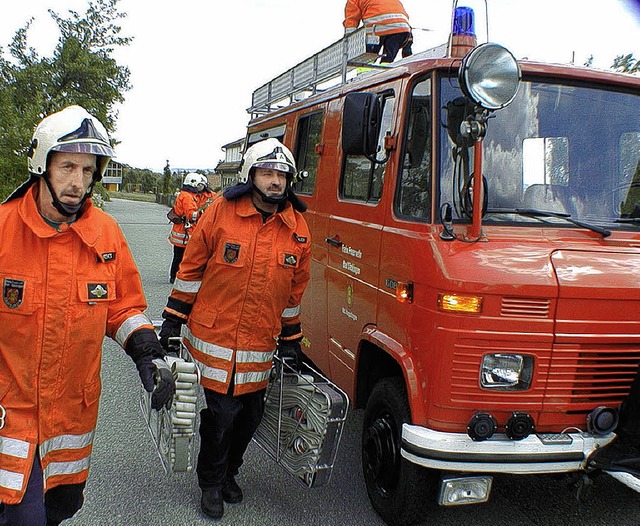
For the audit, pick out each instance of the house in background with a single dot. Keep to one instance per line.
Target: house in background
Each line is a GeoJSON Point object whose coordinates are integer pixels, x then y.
{"type": "Point", "coordinates": [230, 166]}
{"type": "Point", "coordinates": [112, 178]}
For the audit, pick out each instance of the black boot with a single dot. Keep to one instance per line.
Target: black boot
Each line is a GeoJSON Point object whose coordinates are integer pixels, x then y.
{"type": "Point", "coordinates": [211, 503]}
{"type": "Point", "coordinates": [231, 492]}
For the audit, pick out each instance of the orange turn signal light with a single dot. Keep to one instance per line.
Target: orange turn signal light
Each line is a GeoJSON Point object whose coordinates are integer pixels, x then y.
{"type": "Point", "coordinates": [460, 303]}
{"type": "Point", "coordinates": [404, 292]}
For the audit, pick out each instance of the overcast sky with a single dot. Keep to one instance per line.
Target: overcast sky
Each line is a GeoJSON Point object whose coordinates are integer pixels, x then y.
{"type": "Point", "coordinates": [195, 63]}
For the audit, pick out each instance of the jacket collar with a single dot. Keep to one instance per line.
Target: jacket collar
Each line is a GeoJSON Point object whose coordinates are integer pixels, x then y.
{"type": "Point", "coordinates": [245, 208]}
{"type": "Point", "coordinates": [85, 226]}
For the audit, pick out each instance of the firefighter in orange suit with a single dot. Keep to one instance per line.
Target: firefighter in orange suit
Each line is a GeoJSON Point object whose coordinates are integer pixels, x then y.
{"type": "Point", "coordinates": [186, 208]}
{"type": "Point", "coordinates": [68, 279]}
{"type": "Point", "coordinates": [387, 26]}
{"type": "Point", "coordinates": [238, 291]}
{"type": "Point", "coordinates": [205, 194]}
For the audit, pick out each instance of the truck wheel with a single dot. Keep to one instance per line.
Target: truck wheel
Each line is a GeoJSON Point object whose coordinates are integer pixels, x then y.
{"type": "Point", "coordinates": [398, 490]}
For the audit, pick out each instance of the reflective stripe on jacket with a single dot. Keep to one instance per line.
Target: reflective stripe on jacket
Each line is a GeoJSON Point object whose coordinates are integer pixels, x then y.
{"type": "Point", "coordinates": [61, 293]}
{"type": "Point", "coordinates": [186, 206]}
{"type": "Point", "coordinates": [245, 280]}
{"type": "Point", "coordinates": [380, 17]}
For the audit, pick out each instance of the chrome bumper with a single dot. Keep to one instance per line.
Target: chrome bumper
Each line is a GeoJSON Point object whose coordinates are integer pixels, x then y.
{"type": "Point", "coordinates": [534, 454]}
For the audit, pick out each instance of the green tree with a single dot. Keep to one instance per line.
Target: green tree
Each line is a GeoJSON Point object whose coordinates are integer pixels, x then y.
{"type": "Point", "coordinates": [80, 71]}
{"type": "Point", "coordinates": [167, 186]}
{"type": "Point", "coordinates": [626, 64]}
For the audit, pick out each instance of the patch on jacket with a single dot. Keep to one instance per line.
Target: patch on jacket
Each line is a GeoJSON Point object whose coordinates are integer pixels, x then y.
{"type": "Point", "coordinates": [109, 256]}
{"type": "Point", "coordinates": [97, 291]}
{"type": "Point", "coordinates": [231, 252]}
{"type": "Point", "coordinates": [290, 260]}
{"type": "Point", "coordinates": [12, 292]}
{"type": "Point", "coordinates": [299, 239]}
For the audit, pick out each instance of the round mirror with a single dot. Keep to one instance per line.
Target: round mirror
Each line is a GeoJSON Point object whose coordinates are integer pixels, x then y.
{"type": "Point", "coordinates": [490, 76]}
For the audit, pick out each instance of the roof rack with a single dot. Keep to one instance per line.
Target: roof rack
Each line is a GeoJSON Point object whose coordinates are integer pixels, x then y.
{"type": "Point", "coordinates": [336, 60]}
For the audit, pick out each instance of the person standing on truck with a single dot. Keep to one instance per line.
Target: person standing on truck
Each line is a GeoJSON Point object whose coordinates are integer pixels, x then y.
{"type": "Point", "coordinates": [183, 215]}
{"type": "Point", "coordinates": [387, 26]}
{"type": "Point", "coordinates": [238, 291]}
{"type": "Point", "coordinates": [68, 279]}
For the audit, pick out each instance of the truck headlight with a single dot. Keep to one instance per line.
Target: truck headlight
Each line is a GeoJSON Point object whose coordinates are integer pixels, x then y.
{"type": "Point", "coordinates": [490, 76]}
{"type": "Point", "coordinates": [506, 372]}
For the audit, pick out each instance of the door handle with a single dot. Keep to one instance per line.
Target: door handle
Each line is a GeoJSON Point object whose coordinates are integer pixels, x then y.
{"type": "Point", "coordinates": [333, 241]}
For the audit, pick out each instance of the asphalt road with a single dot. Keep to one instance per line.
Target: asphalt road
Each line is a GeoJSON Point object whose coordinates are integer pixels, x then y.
{"type": "Point", "coordinates": [128, 487]}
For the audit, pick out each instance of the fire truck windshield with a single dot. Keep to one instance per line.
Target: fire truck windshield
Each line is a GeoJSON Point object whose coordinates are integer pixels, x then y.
{"type": "Point", "coordinates": [569, 150]}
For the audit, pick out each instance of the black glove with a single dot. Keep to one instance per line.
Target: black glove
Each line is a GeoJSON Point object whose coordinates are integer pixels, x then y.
{"type": "Point", "coordinates": [289, 351]}
{"type": "Point", "coordinates": [171, 327]}
{"type": "Point", "coordinates": [156, 377]}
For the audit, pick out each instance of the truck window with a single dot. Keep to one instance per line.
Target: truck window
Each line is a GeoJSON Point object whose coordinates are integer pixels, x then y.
{"type": "Point", "coordinates": [307, 158]}
{"type": "Point", "coordinates": [362, 178]}
{"type": "Point", "coordinates": [413, 198]}
{"type": "Point", "coordinates": [571, 148]}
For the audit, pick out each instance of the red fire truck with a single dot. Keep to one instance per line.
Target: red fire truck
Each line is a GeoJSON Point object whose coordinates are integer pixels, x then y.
{"type": "Point", "coordinates": [475, 279]}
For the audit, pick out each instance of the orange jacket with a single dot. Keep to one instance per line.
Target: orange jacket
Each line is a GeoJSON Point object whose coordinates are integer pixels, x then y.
{"type": "Point", "coordinates": [205, 199]}
{"type": "Point", "coordinates": [186, 206]}
{"type": "Point", "coordinates": [61, 293]}
{"type": "Point", "coordinates": [380, 17]}
{"type": "Point", "coordinates": [244, 280]}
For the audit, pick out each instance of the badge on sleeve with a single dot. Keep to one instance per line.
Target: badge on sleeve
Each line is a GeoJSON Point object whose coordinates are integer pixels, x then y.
{"type": "Point", "coordinates": [12, 292]}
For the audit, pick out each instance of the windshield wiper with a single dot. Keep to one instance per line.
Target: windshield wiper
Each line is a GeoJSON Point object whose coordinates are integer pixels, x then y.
{"type": "Point", "coordinates": [635, 220]}
{"type": "Point", "coordinates": [534, 212]}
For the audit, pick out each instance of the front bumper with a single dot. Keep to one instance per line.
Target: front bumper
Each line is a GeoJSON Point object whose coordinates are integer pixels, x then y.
{"type": "Point", "coordinates": [534, 454]}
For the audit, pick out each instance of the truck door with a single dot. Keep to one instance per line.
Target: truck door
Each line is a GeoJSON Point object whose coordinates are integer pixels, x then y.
{"type": "Point", "coordinates": [354, 236]}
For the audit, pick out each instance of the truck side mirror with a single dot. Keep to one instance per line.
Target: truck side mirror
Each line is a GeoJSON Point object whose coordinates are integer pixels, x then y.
{"type": "Point", "coordinates": [361, 121]}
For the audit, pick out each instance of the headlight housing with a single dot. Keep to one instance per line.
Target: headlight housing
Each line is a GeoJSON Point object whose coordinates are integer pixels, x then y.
{"type": "Point", "coordinates": [490, 76]}
{"type": "Point", "coordinates": [506, 372]}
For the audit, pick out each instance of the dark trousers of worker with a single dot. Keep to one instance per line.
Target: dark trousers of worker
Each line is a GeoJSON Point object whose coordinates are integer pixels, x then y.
{"type": "Point", "coordinates": [630, 413]}
{"type": "Point", "coordinates": [38, 508]}
{"type": "Point", "coordinates": [390, 45]}
{"type": "Point", "coordinates": [178, 253]}
{"type": "Point", "coordinates": [227, 425]}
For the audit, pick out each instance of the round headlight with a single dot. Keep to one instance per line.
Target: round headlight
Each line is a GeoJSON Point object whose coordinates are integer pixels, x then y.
{"type": "Point", "coordinates": [490, 76]}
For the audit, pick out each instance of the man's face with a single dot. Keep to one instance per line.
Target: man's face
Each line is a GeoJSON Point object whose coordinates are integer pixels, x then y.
{"type": "Point", "coordinates": [70, 175]}
{"type": "Point", "coordinates": [272, 183]}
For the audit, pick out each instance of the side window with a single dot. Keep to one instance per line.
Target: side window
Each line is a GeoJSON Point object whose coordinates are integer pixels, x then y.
{"type": "Point", "coordinates": [363, 178]}
{"type": "Point", "coordinates": [307, 159]}
{"type": "Point", "coordinates": [413, 198]}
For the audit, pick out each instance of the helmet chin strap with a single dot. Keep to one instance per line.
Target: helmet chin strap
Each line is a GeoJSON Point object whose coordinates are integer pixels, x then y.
{"type": "Point", "coordinates": [270, 200]}
{"type": "Point", "coordinates": [62, 208]}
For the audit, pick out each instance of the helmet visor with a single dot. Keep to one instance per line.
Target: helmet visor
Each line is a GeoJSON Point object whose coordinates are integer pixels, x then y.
{"type": "Point", "coordinates": [84, 147]}
{"type": "Point", "coordinates": [274, 165]}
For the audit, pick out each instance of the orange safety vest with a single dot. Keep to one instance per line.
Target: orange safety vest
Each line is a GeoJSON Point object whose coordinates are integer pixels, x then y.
{"type": "Point", "coordinates": [245, 280]}
{"type": "Point", "coordinates": [62, 291]}
{"type": "Point", "coordinates": [186, 206]}
{"type": "Point", "coordinates": [380, 17]}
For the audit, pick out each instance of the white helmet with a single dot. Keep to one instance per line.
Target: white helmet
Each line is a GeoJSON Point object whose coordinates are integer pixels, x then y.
{"type": "Point", "coordinates": [269, 153]}
{"type": "Point", "coordinates": [191, 179]}
{"type": "Point", "coordinates": [203, 183]}
{"type": "Point", "coordinates": [72, 130]}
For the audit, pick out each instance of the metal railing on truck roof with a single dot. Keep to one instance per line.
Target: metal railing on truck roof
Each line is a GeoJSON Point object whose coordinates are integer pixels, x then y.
{"type": "Point", "coordinates": [333, 61]}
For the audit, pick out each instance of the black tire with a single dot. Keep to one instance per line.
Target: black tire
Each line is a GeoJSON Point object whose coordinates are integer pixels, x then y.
{"type": "Point", "coordinates": [400, 491]}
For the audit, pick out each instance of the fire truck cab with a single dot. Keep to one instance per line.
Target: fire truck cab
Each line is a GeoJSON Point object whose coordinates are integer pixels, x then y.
{"type": "Point", "coordinates": [475, 276]}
